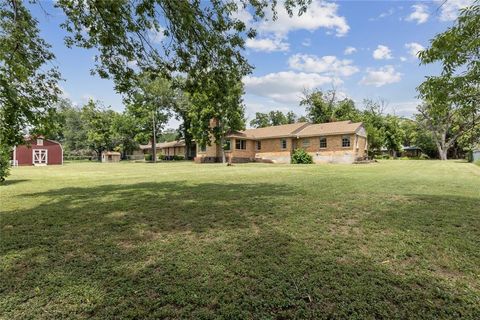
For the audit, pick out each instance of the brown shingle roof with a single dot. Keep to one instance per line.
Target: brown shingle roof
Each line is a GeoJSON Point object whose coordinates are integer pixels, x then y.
{"type": "Point", "coordinates": [180, 143]}
{"type": "Point", "coordinates": [270, 132]}
{"type": "Point", "coordinates": [301, 129]}
{"type": "Point", "coordinates": [329, 128]}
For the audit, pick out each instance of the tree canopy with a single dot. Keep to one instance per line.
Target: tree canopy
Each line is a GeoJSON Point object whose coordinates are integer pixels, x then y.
{"type": "Point", "coordinates": [451, 101]}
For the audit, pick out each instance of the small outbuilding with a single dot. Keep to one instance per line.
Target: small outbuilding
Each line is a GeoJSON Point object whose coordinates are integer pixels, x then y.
{"type": "Point", "coordinates": [111, 156]}
{"type": "Point", "coordinates": [37, 151]}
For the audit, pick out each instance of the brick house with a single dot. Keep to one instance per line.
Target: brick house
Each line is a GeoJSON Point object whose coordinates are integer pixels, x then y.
{"type": "Point", "coordinates": [335, 142]}
{"type": "Point", "coordinates": [170, 149]}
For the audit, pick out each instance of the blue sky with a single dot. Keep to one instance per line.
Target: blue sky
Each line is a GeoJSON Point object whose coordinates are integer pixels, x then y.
{"type": "Point", "coordinates": [365, 49]}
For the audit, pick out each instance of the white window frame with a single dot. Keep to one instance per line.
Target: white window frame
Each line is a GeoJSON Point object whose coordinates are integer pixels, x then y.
{"type": "Point", "coordinates": [40, 142]}
{"type": "Point", "coordinates": [281, 144]}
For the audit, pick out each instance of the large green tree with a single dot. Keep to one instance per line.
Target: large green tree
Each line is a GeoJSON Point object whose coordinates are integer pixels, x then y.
{"type": "Point", "coordinates": [98, 121]}
{"type": "Point", "coordinates": [28, 83]}
{"type": "Point", "coordinates": [150, 103]}
{"type": "Point", "coordinates": [325, 106]}
{"type": "Point", "coordinates": [219, 99]}
{"type": "Point", "coordinates": [451, 101]}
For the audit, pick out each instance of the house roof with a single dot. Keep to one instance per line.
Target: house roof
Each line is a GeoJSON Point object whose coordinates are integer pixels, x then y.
{"type": "Point", "coordinates": [300, 129]}
{"type": "Point", "coordinates": [339, 127]}
{"type": "Point", "coordinates": [170, 144]}
{"type": "Point", "coordinates": [285, 130]}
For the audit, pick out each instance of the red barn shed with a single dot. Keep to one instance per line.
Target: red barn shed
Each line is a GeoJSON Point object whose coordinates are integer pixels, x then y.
{"type": "Point", "coordinates": [38, 151]}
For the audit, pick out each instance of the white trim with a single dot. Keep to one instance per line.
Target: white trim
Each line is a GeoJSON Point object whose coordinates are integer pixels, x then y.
{"type": "Point", "coordinates": [15, 154]}
{"type": "Point", "coordinates": [46, 157]}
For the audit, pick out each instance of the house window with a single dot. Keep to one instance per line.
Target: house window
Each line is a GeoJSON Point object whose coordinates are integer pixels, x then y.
{"type": "Point", "coordinates": [306, 143]}
{"type": "Point", "coordinates": [283, 143]}
{"type": "Point", "coordinates": [323, 142]}
{"type": "Point", "coordinates": [345, 141]}
{"type": "Point", "coordinates": [258, 145]}
{"type": "Point", "coordinates": [227, 145]}
{"type": "Point", "coordinates": [240, 144]}
{"type": "Point", "coordinates": [39, 142]}
{"type": "Point", "coordinates": [203, 148]}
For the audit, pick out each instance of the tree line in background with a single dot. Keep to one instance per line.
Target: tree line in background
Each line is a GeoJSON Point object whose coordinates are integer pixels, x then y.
{"type": "Point", "coordinates": [204, 43]}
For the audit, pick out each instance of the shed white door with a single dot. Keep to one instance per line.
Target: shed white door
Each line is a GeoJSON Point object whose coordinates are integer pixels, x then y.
{"type": "Point", "coordinates": [40, 156]}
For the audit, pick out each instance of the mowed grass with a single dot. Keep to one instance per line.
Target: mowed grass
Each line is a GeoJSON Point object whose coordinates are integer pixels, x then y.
{"type": "Point", "coordinates": [395, 239]}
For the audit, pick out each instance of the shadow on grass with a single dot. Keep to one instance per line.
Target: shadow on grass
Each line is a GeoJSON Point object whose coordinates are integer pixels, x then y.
{"type": "Point", "coordinates": [177, 250]}
{"type": "Point", "coordinates": [9, 182]}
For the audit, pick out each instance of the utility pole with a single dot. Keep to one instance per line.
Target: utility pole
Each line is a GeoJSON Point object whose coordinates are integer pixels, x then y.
{"type": "Point", "coordinates": [154, 140]}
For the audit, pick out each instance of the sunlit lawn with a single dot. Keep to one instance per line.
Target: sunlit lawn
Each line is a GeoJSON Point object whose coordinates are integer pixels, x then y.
{"type": "Point", "coordinates": [396, 239]}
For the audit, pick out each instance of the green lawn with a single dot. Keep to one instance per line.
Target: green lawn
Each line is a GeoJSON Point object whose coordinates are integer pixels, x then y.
{"type": "Point", "coordinates": [396, 239]}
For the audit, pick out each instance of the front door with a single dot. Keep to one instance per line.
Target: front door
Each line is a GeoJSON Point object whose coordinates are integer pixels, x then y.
{"type": "Point", "coordinates": [40, 156]}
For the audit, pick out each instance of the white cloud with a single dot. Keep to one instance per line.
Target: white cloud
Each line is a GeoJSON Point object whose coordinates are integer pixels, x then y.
{"type": "Point", "coordinates": [413, 48]}
{"type": "Point", "coordinates": [328, 65]}
{"type": "Point", "coordinates": [267, 44]}
{"type": "Point", "coordinates": [320, 14]}
{"type": "Point", "coordinates": [403, 59]}
{"type": "Point", "coordinates": [419, 14]}
{"type": "Point", "coordinates": [449, 9]}
{"type": "Point", "coordinates": [307, 42]}
{"type": "Point", "coordinates": [349, 50]}
{"type": "Point", "coordinates": [156, 36]}
{"type": "Point", "coordinates": [380, 77]}
{"type": "Point", "coordinates": [287, 86]}
{"type": "Point", "coordinates": [382, 52]}
{"type": "Point", "coordinates": [385, 14]}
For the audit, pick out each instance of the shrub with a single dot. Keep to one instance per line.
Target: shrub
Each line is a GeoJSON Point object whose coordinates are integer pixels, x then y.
{"type": "Point", "coordinates": [148, 157]}
{"type": "Point", "coordinates": [299, 156]}
{"type": "Point", "coordinates": [178, 158]}
{"type": "Point", "coordinates": [162, 157]}
{"type": "Point", "coordinates": [423, 156]}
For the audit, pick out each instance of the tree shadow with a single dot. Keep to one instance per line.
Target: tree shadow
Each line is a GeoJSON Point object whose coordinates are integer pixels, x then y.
{"type": "Point", "coordinates": [211, 250]}
{"type": "Point", "coordinates": [9, 182]}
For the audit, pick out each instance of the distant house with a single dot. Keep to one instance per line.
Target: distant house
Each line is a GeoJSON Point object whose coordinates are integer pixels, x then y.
{"type": "Point", "coordinates": [170, 149]}
{"type": "Point", "coordinates": [37, 151]}
{"type": "Point", "coordinates": [407, 151]}
{"type": "Point", "coordinates": [336, 142]}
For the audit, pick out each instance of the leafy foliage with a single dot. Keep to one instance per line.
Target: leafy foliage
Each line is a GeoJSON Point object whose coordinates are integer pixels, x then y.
{"type": "Point", "coordinates": [451, 105]}
{"type": "Point", "coordinates": [198, 36]}
{"type": "Point", "coordinates": [28, 87]}
{"type": "Point", "coordinates": [98, 122]}
{"type": "Point", "coordinates": [300, 156]}
{"type": "Point", "coordinates": [324, 107]}
{"type": "Point", "coordinates": [219, 100]}
{"type": "Point", "coordinates": [273, 118]}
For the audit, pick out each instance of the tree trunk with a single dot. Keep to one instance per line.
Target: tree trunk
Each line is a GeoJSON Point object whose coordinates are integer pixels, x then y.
{"type": "Point", "coordinates": [154, 140]}
{"type": "Point", "coordinates": [222, 144]}
{"type": "Point", "coordinates": [443, 153]}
